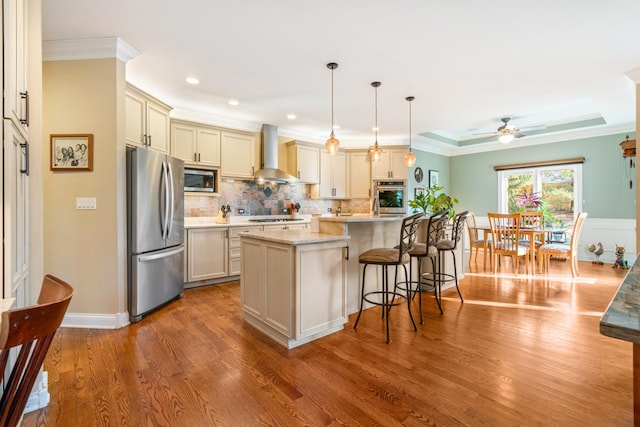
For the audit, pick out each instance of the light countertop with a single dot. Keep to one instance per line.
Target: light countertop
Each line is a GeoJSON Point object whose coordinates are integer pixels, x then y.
{"type": "Point", "coordinates": [361, 218]}
{"type": "Point", "coordinates": [238, 221]}
{"type": "Point", "coordinates": [294, 237]}
{"type": "Point", "coordinates": [622, 318]}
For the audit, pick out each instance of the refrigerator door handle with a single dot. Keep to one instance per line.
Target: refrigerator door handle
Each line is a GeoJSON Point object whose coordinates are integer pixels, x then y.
{"type": "Point", "coordinates": [164, 215]}
{"type": "Point", "coordinates": [173, 199]}
{"type": "Point", "coordinates": [143, 258]}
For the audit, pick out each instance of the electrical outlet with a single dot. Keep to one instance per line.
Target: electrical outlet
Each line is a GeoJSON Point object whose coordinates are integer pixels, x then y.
{"type": "Point", "coordinates": [329, 210]}
{"type": "Point", "coordinates": [285, 210]}
{"type": "Point", "coordinates": [241, 211]}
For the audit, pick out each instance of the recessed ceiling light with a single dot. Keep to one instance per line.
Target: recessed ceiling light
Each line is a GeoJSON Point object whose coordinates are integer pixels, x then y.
{"type": "Point", "coordinates": [375, 129]}
{"type": "Point", "coordinates": [336, 127]}
{"type": "Point", "coordinates": [234, 102]}
{"type": "Point", "coordinates": [192, 80]}
{"type": "Point", "coordinates": [291, 116]}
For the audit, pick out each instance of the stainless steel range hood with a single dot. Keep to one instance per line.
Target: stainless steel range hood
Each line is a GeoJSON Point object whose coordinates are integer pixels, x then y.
{"type": "Point", "coordinates": [269, 171]}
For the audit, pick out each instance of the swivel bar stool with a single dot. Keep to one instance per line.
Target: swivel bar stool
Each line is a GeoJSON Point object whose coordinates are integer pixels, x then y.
{"type": "Point", "coordinates": [386, 257]}
{"type": "Point", "coordinates": [425, 247]}
{"type": "Point", "coordinates": [443, 246]}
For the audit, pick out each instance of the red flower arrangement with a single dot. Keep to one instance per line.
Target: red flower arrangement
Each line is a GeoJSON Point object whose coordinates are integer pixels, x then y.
{"type": "Point", "coordinates": [528, 199]}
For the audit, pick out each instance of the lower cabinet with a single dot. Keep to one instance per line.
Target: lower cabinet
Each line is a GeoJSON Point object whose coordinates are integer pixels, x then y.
{"type": "Point", "coordinates": [207, 255]}
{"type": "Point", "coordinates": [234, 248]}
{"type": "Point", "coordinates": [294, 294]}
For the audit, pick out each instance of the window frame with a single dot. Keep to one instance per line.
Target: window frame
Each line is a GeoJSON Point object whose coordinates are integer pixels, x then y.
{"type": "Point", "coordinates": [503, 182]}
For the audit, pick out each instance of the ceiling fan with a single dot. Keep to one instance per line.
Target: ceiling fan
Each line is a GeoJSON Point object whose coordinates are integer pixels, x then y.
{"type": "Point", "coordinates": [507, 133]}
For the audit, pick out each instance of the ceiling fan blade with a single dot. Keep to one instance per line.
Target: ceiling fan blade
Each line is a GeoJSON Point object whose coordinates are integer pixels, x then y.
{"type": "Point", "coordinates": [530, 128]}
{"type": "Point", "coordinates": [518, 135]}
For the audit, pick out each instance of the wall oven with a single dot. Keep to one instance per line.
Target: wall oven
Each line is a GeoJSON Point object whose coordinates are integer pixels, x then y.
{"type": "Point", "coordinates": [391, 197]}
{"type": "Point", "coordinates": [200, 180]}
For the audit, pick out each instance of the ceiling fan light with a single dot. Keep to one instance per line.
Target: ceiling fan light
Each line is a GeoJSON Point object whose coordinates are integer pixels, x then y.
{"type": "Point", "coordinates": [506, 138]}
{"type": "Point", "coordinates": [332, 144]}
{"type": "Point", "coordinates": [410, 159]}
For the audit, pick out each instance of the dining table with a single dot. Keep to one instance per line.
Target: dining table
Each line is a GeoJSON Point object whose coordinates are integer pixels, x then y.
{"type": "Point", "coordinates": [530, 232]}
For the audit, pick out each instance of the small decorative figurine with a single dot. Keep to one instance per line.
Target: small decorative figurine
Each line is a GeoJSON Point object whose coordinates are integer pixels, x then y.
{"type": "Point", "coordinates": [597, 250]}
{"type": "Point", "coordinates": [620, 262]}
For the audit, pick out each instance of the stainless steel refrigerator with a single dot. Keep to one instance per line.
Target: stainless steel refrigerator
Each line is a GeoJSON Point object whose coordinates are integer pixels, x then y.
{"type": "Point", "coordinates": [155, 228]}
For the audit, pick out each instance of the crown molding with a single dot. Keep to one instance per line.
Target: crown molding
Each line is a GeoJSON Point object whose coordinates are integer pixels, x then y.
{"type": "Point", "coordinates": [96, 48]}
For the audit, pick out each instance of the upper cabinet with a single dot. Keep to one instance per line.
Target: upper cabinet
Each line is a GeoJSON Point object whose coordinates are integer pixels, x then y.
{"type": "Point", "coordinates": [303, 162]}
{"type": "Point", "coordinates": [358, 174]}
{"type": "Point", "coordinates": [196, 144]}
{"type": "Point", "coordinates": [333, 175]}
{"type": "Point", "coordinates": [238, 155]}
{"type": "Point", "coordinates": [15, 36]}
{"type": "Point", "coordinates": [147, 120]}
{"type": "Point", "coordinates": [391, 164]}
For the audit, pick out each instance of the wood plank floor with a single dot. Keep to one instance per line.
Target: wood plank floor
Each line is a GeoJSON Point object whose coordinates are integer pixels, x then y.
{"type": "Point", "coordinates": [518, 352]}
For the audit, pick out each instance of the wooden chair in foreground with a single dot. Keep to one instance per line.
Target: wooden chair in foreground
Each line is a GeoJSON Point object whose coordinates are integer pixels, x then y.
{"type": "Point", "coordinates": [33, 328]}
{"type": "Point", "coordinates": [562, 250]}
{"type": "Point", "coordinates": [505, 229]}
{"type": "Point", "coordinates": [475, 242]}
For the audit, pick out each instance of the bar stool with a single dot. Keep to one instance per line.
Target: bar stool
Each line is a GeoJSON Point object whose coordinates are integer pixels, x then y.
{"type": "Point", "coordinates": [427, 249]}
{"type": "Point", "coordinates": [443, 246]}
{"type": "Point", "coordinates": [386, 257]}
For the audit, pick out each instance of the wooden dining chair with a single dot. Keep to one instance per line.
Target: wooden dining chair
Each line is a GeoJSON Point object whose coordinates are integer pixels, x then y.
{"type": "Point", "coordinates": [505, 230]}
{"type": "Point", "coordinates": [475, 242]}
{"type": "Point", "coordinates": [532, 220]}
{"type": "Point", "coordinates": [32, 328]}
{"type": "Point", "coordinates": [569, 251]}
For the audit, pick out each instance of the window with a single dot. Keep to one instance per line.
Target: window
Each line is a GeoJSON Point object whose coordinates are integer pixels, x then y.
{"type": "Point", "coordinates": [560, 186]}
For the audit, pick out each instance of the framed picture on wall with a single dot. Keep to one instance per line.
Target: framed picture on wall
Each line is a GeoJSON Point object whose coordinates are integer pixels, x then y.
{"type": "Point", "coordinates": [434, 178]}
{"type": "Point", "coordinates": [71, 152]}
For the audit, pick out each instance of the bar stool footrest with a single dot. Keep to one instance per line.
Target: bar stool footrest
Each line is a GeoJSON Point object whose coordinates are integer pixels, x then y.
{"type": "Point", "coordinates": [391, 295]}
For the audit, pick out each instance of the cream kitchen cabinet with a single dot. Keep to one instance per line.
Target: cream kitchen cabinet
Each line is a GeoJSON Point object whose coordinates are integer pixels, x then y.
{"type": "Point", "coordinates": [207, 253]}
{"type": "Point", "coordinates": [196, 144]}
{"type": "Point", "coordinates": [147, 120]}
{"type": "Point", "coordinates": [333, 176]}
{"type": "Point", "coordinates": [15, 64]}
{"type": "Point", "coordinates": [238, 155]}
{"type": "Point", "coordinates": [391, 164]}
{"type": "Point", "coordinates": [234, 247]}
{"type": "Point", "coordinates": [358, 174]}
{"type": "Point", "coordinates": [287, 226]}
{"type": "Point", "coordinates": [303, 162]}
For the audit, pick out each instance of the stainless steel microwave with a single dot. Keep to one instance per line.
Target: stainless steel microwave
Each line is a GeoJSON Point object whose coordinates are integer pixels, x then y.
{"type": "Point", "coordinates": [200, 180]}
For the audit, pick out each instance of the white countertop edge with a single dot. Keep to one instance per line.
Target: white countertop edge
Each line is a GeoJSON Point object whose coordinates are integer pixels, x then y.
{"type": "Point", "coordinates": [294, 237]}
{"type": "Point", "coordinates": [210, 221]}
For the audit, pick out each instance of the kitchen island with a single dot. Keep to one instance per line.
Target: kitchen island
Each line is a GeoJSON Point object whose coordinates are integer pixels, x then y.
{"type": "Point", "coordinates": [293, 284]}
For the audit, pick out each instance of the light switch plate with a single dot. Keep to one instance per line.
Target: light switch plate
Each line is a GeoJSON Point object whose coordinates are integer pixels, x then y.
{"type": "Point", "coordinates": [85, 203]}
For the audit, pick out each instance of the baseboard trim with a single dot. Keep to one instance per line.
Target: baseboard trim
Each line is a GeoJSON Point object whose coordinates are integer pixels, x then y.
{"type": "Point", "coordinates": [95, 321]}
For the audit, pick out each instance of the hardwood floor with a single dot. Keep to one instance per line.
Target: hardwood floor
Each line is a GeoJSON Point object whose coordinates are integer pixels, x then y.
{"type": "Point", "coordinates": [519, 351]}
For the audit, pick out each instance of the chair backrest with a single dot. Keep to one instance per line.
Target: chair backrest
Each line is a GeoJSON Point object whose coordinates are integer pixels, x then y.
{"type": "Point", "coordinates": [505, 229]}
{"type": "Point", "coordinates": [408, 233]}
{"type": "Point", "coordinates": [436, 228]}
{"type": "Point", "coordinates": [458, 227]}
{"type": "Point", "coordinates": [531, 220]}
{"type": "Point", "coordinates": [472, 228]}
{"type": "Point", "coordinates": [575, 234]}
{"type": "Point", "coordinates": [33, 328]}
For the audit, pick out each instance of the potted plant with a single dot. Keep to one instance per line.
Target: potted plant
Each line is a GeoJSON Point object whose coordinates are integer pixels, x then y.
{"type": "Point", "coordinates": [528, 201]}
{"type": "Point", "coordinates": [432, 200]}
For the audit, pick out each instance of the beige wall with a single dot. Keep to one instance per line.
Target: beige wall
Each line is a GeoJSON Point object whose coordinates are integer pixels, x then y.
{"type": "Point", "coordinates": [87, 247]}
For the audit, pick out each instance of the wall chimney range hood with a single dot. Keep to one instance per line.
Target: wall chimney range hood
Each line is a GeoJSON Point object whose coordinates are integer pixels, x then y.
{"type": "Point", "coordinates": [269, 149]}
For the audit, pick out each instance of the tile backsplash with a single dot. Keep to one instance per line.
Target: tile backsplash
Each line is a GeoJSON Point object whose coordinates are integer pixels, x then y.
{"type": "Point", "coordinates": [266, 199]}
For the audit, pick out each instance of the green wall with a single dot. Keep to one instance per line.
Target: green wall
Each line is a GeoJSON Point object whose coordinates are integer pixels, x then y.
{"type": "Point", "coordinates": [605, 174]}
{"type": "Point", "coordinates": [429, 161]}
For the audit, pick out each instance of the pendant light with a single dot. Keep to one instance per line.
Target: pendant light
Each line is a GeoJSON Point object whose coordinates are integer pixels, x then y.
{"type": "Point", "coordinates": [376, 151]}
{"type": "Point", "coordinates": [410, 158]}
{"type": "Point", "coordinates": [332, 143]}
